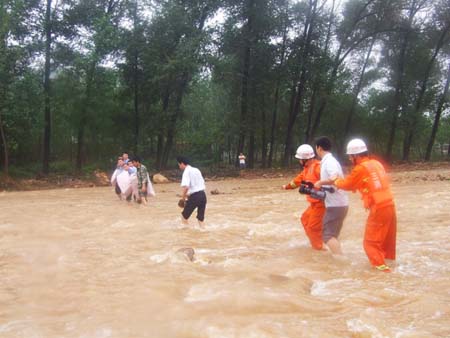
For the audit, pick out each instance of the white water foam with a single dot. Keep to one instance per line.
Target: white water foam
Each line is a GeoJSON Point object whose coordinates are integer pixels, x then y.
{"type": "Point", "coordinates": [333, 286]}
{"type": "Point", "coordinates": [271, 229]}
{"type": "Point", "coordinates": [204, 293]}
{"type": "Point", "coordinates": [359, 326]}
{"type": "Point", "coordinates": [122, 224]}
{"type": "Point", "coordinates": [99, 333]}
{"type": "Point", "coordinates": [6, 226]}
{"type": "Point", "coordinates": [251, 332]}
{"type": "Point", "coordinates": [20, 328]}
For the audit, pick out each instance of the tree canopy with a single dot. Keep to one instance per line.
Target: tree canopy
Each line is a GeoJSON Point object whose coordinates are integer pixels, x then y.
{"type": "Point", "coordinates": [81, 80]}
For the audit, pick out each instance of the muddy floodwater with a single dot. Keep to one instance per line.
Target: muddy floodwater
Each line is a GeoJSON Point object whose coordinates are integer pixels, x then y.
{"type": "Point", "coordinates": [81, 263]}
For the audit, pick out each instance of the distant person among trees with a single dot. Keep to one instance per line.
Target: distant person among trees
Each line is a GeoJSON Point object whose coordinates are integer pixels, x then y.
{"type": "Point", "coordinates": [336, 203]}
{"type": "Point", "coordinates": [193, 191]}
{"type": "Point", "coordinates": [242, 161]}
{"type": "Point", "coordinates": [311, 218]}
{"type": "Point", "coordinates": [369, 178]}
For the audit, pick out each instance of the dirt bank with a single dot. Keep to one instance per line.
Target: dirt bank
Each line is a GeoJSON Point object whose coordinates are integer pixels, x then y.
{"type": "Point", "coordinates": [405, 172]}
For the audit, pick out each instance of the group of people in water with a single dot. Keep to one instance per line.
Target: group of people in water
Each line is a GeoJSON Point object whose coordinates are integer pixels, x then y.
{"type": "Point", "coordinates": [321, 180]}
{"type": "Point", "coordinates": [131, 180]}
{"type": "Point", "coordinates": [324, 217]}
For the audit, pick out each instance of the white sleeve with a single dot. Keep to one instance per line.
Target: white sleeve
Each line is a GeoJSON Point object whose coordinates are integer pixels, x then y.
{"type": "Point", "coordinates": [114, 177]}
{"type": "Point", "coordinates": [185, 180]}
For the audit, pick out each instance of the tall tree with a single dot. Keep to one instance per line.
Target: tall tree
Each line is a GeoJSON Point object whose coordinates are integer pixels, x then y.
{"type": "Point", "coordinates": [400, 51]}
{"type": "Point", "coordinates": [357, 90]}
{"type": "Point", "coordinates": [444, 99]}
{"type": "Point", "coordinates": [279, 72]}
{"type": "Point", "coordinates": [16, 37]}
{"type": "Point", "coordinates": [440, 38]}
{"type": "Point", "coordinates": [47, 112]}
{"type": "Point", "coordinates": [101, 20]}
{"type": "Point", "coordinates": [362, 21]}
{"type": "Point", "coordinates": [300, 78]}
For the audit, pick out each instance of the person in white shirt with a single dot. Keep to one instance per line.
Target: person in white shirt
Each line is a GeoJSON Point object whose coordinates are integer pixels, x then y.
{"type": "Point", "coordinates": [241, 161]}
{"type": "Point", "coordinates": [336, 203]}
{"type": "Point", "coordinates": [193, 191]}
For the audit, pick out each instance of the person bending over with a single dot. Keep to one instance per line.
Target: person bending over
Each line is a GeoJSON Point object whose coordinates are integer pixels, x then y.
{"type": "Point", "coordinates": [193, 191]}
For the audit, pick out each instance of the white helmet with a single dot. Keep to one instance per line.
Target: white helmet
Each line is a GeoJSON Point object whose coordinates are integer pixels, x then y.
{"type": "Point", "coordinates": [356, 146]}
{"type": "Point", "coordinates": [304, 152]}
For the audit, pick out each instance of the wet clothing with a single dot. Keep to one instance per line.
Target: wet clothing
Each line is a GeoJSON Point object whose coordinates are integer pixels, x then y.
{"type": "Point", "coordinates": [336, 203]}
{"type": "Point", "coordinates": [196, 200]}
{"type": "Point", "coordinates": [311, 218]}
{"type": "Point", "coordinates": [330, 167]}
{"type": "Point", "coordinates": [192, 179]}
{"type": "Point", "coordinates": [142, 174]}
{"type": "Point", "coordinates": [333, 221]}
{"type": "Point", "coordinates": [142, 179]}
{"type": "Point", "coordinates": [370, 179]}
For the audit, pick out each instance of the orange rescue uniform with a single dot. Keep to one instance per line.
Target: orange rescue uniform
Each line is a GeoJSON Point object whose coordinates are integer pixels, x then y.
{"type": "Point", "coordinates": [369, 178]}
{"type": "Point", "coordinates": [311, 218]}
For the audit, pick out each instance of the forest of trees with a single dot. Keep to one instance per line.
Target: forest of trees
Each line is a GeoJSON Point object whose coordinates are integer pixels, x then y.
{"type": "Point", "coordinates": [83, 80]}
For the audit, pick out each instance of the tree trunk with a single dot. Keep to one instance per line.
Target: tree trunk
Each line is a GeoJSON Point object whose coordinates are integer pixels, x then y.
{"type": "Point", "coordinates": [251, 150]}
{"type": "Point", "coordinates": [399, 84]}
{"type": "Point", "coordinates": [424, 85]}
{"type": "Point", "coordinates": [273, 125]}
{"type": "Point", "coordinates": [5, 148]}
{"type": "Point", "coordinates": [328, 90]}
{"type": "Point", "coordinates": [161, 144]}
{"type": "Point", "coordinates": [90, 75]}
{"type": "Point", "coordinates": [310, 126]}
{"type": "Point", "coordinates": [300, 85]}
{"type": "Point", "coordinates": [437, 118]}
{"type": "Point", "coordinates": [340, 57]}
{"type": "Point", "coordinates": [136, 103]}
{"type": "Point", "coordinates": [3, 83]}
{"type": "Point", "coordinates": [80, 147]}
{"type": "Point", "coordinates": [243, 127]}
{"type": "Point", "coordinates": [312, 108]}
{"type": "Point", "coordinates": [291, 108]}
{"type": "Point", "coordinates": [276, 99]}
{"type": "Point", "coordinates": [230, 150]}
{"type": "Point", "coordinates": [136, 82]}
{"type": "Point", "coordinates": [263, 139]}
{"type": "Point", "coordinates": [448, 149]}
{"type": "Point", "coordinates": [183, 82]}
{"type": "Point", "coordinates": [159, 150]}
{"type": "Point", "coordinates": [357, 90]}
{"type": "Point", "coordinates": [84, 115]}
{"type": "Point", "coordinates": [47, 112]}
{"type": "Point", "coordinates": [171, 128]}
{"type": "Point", "coordinates": [407, 143]}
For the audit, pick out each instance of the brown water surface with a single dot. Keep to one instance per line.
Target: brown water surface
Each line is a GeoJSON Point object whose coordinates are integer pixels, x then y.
{"type": "Point", "coordinates": [81, 263]}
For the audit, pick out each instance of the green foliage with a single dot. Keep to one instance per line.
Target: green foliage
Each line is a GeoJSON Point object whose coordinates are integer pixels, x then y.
{"type": "Point", "coordinates": [163, 77]}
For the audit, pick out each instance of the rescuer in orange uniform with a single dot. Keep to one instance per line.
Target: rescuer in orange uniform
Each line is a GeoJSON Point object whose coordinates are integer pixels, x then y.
{"type": "Point", "coordinates": [369, 178]}
{"type": "Point", "coordinates": [311, 218]}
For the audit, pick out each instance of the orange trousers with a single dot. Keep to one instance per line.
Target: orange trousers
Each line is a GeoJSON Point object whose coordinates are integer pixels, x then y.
{"type": "Point", "coordinates": [311, 220]}
{"type": "Point", "coordinates": [380, 235]}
